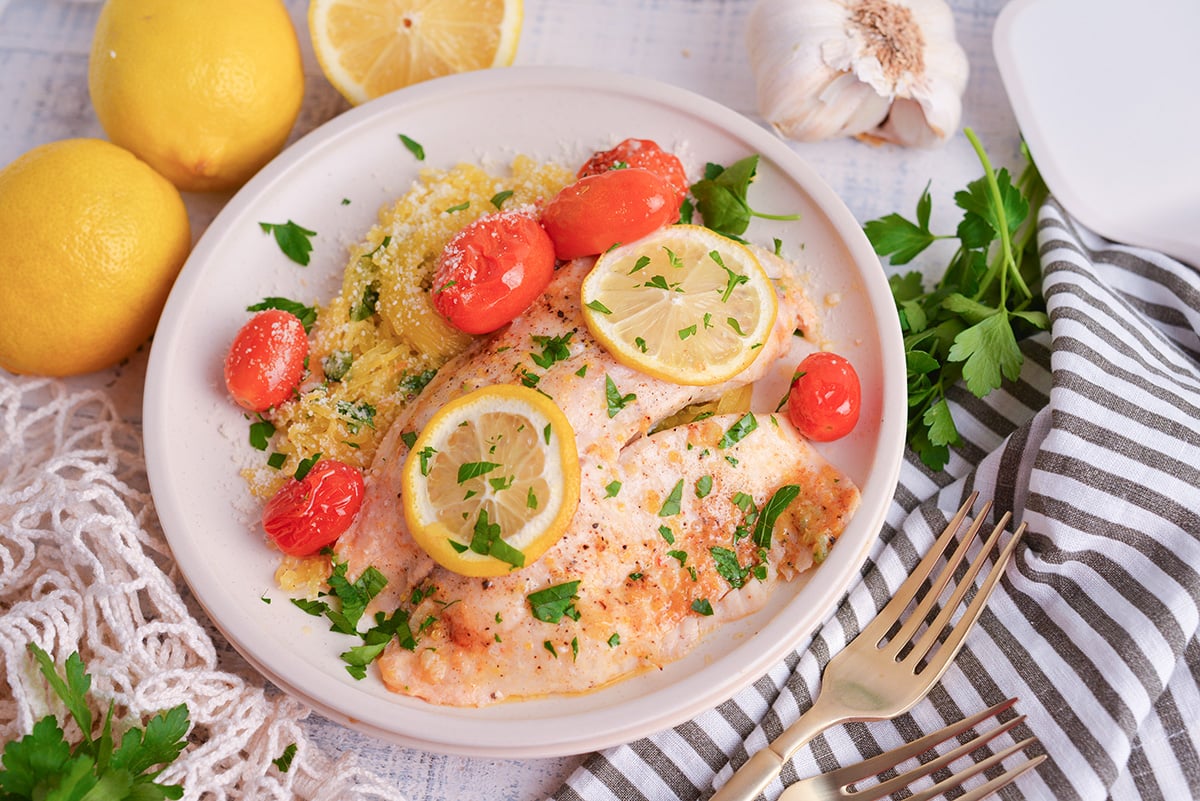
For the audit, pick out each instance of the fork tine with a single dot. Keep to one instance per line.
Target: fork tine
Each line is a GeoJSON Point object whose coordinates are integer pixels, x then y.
{"type": "Point", "coordinates": [897, 643]}
{"type": "Point", "coordinates": [984, 790]}
{"type": "Point", "coordinates": [940, 661]}
{"type": "Point", "coordinates": [889, 759]}
{"type": "Point", "coordinates": [992, 785]}
{"type": "Point", "coordinates": [903, 780]}
{"type": "Point", "coordinates": [925, 643]}
{"type": "Point", "coordinates": [878, 628]}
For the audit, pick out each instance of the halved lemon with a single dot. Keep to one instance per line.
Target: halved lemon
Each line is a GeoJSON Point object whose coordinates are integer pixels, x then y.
{"type": "Point", "coordinates": [492, 481]}
{"type": "Point", "coordinates": [683, 304]}
{"type": "Point", "coordinates": [368, 48]}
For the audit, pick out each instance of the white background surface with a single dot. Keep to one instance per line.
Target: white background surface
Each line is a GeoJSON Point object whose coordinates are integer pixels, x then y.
{"type": "Point", "coordinates": [696, 44]}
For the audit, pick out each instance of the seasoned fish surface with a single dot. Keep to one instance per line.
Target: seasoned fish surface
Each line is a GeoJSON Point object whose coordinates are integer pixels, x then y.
{"type": "Point", "coordinates": [647, 574]}
{"type": "Point", "coordinates": [657, 565]}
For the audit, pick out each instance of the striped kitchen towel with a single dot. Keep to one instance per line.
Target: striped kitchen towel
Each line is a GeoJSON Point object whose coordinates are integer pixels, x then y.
{"type": "Point", "coordinates": [1094, 626]}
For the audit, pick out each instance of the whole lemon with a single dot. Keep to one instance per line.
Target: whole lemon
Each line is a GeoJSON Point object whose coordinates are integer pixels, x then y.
{"type": "Point", "coordinates": [204, 91]}
{"type": "Point", "coordinates": [93, 239]}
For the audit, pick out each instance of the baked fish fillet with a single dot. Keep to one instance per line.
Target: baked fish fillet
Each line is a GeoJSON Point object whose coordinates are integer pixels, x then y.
{"type": "Point", "coordinates": [647, 576]}
{"type": "Point", "coordinates": [577, 384]}
{"type": "Point", "coordinates": [647, 572]}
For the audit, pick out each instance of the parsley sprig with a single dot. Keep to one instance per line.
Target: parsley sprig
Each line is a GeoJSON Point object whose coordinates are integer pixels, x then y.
{"type": "Point", "coordinates": [967, 326]}
{"type": "Point", "coordinates": [42, 764]}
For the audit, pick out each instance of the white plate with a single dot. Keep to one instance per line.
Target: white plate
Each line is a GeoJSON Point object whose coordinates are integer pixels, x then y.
{"type": "Point", "coordinates": [196, 439]}
{"type": "Point", "coordinates": [1104, 95]}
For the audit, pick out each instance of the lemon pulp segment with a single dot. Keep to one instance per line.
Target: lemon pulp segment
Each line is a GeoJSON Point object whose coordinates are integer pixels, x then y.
{"type": "Point", "coordinates": [492, 480]}
{"type": "Point", "coordinates": [684, 304]}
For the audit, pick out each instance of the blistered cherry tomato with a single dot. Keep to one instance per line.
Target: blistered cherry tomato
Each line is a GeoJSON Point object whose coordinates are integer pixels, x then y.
{"type": "Point", "coordinates": [644, 154]}
{"type": "Point", "coordinates": [306, 515]}
{"type": "Point", "coordinates": [491, 270]}
{"type": "Point", "coordinates": [266, 360]}
{"type": "Point", "coordinates": [824, 399]}
{"type": "Point", "coordinates": [606, 209]}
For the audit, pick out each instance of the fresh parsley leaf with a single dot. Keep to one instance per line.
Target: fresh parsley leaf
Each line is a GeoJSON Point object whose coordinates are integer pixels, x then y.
{"type": "Point", "coordinates": [306, 314]}
{"type": "Point", "coordinates": [968, 324]}
{"type": "Point", "coordinates": [721, 197]}
{"type": "Point", "coordinates": [293, 240]}
{"type": "Point", "coordinates": [728, 567]}
{"type": "Point", "coordinates": [702, 606]}
{"type": "Point", "coordinates": [42, 764]}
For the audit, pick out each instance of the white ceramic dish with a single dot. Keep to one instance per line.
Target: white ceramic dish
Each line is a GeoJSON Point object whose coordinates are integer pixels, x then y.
{"type": "Point", "coordinates": [1104, 96]}
{"type": "Point", "coordinates": [196, 439]}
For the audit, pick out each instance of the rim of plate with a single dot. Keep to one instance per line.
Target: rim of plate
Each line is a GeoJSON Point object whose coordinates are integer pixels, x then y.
{"type": "Point", "coordinates": [612, 716]}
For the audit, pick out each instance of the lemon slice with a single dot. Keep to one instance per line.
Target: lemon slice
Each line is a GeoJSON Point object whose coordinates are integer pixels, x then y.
{"type": "Point", "coordinates": [368, 48]}
{"type": "Point", "coordinates": [492, 481]}
{"type": "Point", "coordinates": [683, 304]}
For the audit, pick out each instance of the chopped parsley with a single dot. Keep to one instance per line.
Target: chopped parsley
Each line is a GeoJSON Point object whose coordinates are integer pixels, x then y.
{"type": "Point", "coordinates": [703, 486]}
{"type": "Point", "coordinates": [306, 465]}
{"type": "Point", "coordinates": [261, 433]}
{"type": "Point", "coordinates": [739, 430]}
{"type": "Point", "coordinates": [615, 400]}
{"type": "Point", "coordinates": [499, 198]}
{"type": "Point", "coordinates": [356, 415]}
{"type": "Point", "coordinates": [764, 526]}
{"type": "Point", "coordinates": [337, 364]}
{"type": "Point", "coordinates": [554, 349]}
{"type": "Point", "coordinates": [413, 146]}
{"type": "Point", "coordinates": [672, 504]}
{"type": "Point", "coordinates": [470, 470]}
{"type": "Point", "coordinates": [702, 606]}
{"type": "Point", "coordinates": [551, 604]}
{"type": "Point", "coordinates": [611, 490]}
{"type": "Point", "coordinates": [284, 760]}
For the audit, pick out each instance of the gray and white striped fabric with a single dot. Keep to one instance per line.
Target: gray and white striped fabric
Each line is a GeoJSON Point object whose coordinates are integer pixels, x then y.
{"type": "Point", "coordinates": [1094, 625]}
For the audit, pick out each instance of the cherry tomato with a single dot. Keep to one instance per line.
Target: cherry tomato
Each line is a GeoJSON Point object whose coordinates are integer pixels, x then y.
{"type": "Point", "coordinates": [491, 270]}
{"type": "Point", "coordinates": [644, 154]}
{"type": "Point", "coordinates": [824, 399]}
{"type": "Point", "coordinates": [266, 360]}
{"type": "Point", "coordinates": [609, 208]}
{"type": "Point", "coordinates": [306, 515]}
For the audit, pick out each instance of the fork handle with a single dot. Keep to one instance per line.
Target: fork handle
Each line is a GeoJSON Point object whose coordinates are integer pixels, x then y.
{"type": "Point", "coordinates": [757, 773]}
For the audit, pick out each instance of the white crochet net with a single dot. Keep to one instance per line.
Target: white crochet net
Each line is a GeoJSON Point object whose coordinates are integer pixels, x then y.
{"type": "Point", "coordinates": [84, 567]}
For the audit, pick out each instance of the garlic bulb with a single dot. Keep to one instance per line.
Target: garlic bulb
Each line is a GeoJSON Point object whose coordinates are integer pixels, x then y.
{"type": "Point", "coordinates": [887, 70]}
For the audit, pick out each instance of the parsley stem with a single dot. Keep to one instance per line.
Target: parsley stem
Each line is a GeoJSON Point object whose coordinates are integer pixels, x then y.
{"type": "Point", "coordinates": [1006, 246]}
{"type": "Point", "coordinates": [782, 217]}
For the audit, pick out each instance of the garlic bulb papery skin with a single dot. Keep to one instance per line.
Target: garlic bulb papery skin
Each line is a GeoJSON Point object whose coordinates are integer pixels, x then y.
{"type": "Point", "coordinates": [889, 70]}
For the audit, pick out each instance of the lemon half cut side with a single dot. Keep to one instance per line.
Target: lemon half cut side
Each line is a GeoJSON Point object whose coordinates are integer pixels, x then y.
{"type": "Point", "coordinates": [683, 304]}
{"type": "Point", "coordinates": [492, 481]}
{"type": "Point", "coordinates": [367, 48]}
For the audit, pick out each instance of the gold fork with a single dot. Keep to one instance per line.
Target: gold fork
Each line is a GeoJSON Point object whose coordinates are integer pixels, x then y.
{"type": "Point", "coordinates": [835, 785]}
{"type": "Point", "coordinates": [881, 673]}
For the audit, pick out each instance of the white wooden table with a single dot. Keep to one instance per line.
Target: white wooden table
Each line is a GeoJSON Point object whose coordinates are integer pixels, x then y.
{"type": "Point", "coordinates": [696, 44]}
